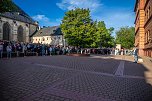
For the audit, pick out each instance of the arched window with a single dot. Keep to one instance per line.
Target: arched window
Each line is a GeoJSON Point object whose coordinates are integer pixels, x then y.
{"type": "Point", "coordinates": [6, 31]}
{"type": "Point", "coordinates": [20, 35]}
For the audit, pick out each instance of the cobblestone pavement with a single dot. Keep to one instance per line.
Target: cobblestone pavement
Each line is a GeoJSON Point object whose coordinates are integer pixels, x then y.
{"type": "Point", "coordinates": [67, 78]}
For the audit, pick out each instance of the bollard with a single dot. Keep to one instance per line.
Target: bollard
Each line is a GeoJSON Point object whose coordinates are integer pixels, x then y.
{"type": "Point", "coordinates": [36, 54]}
{"type": "Point", "coordinates": [17, 53]}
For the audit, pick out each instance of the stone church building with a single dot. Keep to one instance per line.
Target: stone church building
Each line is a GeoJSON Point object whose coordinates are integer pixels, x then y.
{"type": "Point", "coordinates": [17, 26]}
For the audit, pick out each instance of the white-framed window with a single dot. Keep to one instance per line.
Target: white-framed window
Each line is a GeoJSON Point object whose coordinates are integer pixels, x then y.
{"type": "Point", "coordinates": [148, 36]}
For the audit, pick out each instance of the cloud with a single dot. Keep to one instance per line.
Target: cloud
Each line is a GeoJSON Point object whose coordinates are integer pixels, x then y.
{"type": "Point", "coordinates": [42, 19]}
{"type": "Point", "coordinates": [113, 17]}
{"type": "Point", "coordinates": [45, 21]}
{"type": "Point", "coordinates": [72, 4]}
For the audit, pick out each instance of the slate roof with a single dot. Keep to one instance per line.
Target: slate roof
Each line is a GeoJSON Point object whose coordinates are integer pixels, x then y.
{"type": "Point", "coordinates": [49, 31]}
{"type": "Point", "coordinates": [19, 15]}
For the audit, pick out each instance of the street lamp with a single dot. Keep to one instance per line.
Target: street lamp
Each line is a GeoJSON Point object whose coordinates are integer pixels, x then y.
{"type": "Point", "coordinates": [0, 24]}
{"type": "Point", "coordinates": [64, 42]}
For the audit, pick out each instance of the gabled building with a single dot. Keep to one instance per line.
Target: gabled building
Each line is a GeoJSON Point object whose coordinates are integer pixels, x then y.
{"type": "Point", "coordinates": [17, 26]}
{"type": "Point", "coordinates": [49, 35]}
{"type": "Point", "coordinates": [143, 27]}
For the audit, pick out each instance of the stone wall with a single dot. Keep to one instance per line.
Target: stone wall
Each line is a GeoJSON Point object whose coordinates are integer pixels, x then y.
{"type": "Point", "coordinates": [14, 29]}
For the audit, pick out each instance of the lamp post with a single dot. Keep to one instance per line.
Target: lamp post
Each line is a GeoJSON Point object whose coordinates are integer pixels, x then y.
{"type": "Point", "coordinates": [64, 42]}
{"type": "Point", "coordinates": [0, 25]}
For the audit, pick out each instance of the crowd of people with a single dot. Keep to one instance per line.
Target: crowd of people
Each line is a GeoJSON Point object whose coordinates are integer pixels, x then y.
{"type": "Point", "coordinates": [7, 48]}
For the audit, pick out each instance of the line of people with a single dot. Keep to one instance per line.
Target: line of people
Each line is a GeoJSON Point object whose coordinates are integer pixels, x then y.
{"type": "Point", "coordinates": [9, 47]}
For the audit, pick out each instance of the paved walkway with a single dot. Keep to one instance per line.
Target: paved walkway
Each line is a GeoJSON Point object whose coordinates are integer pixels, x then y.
{"type": "Point", "coordinates": [67, 78]}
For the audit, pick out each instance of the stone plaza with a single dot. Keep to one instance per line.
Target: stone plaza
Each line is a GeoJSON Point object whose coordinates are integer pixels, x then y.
{"type": "Point", "coordinates": [68, 78]}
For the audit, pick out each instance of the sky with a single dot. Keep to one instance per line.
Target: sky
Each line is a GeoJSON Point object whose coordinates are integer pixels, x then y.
{"type": "Point", "coordinates": [115, 13]}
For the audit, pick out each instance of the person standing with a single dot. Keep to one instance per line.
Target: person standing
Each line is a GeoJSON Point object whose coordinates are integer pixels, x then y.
{"type": "Point", "coordinates": [43, 50]}
{"type": "Point", "coordinates": [9, 51]}
{"type": "Point", "coordinates": [50, 50]}
{"type": "Point", "coordinates": [135, 53]}
{"type": "Point", "coordinates": [24, 48]}
{"type": "Point", "coordinates": [1, 49]}
{"type": "Point", "coordinates": [116, 51]}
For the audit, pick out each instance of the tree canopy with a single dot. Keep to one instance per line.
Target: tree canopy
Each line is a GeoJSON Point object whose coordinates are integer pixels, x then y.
{"type": "Point", "coordinates": [103, 35]}
{"type": "Point", "coordinates": [80, 30]}
{"type": "Point", "coordinates": [125, 37]}
{"type": "Point", "coordinates": [7, 6]}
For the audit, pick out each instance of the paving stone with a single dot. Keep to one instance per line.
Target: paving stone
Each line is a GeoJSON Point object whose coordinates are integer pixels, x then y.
{"type": "Point", "coordinates": [49, 97]}
{"type": "Point", "coordinates": [108, 87]}
{"type": "Point", "coordinates": [22, 79]}
{"type": "Point", "coordinates": [134, 69]}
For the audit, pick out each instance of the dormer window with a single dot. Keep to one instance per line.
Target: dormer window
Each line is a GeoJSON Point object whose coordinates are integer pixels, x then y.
{"type": "Point", "coordinates": [14, 21]}
{"type": "Point", "coordinates": [43, 39]}
{"type": "Point", "coordinates": [26, 25]}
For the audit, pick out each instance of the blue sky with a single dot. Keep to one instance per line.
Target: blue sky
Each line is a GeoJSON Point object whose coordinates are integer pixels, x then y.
{"type": "Point", "coordinates": [115, 13]}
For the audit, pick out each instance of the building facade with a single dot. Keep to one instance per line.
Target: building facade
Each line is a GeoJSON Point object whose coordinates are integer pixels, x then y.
{"type": "Point", "coordinates": [49, 35]}
{"type": "Point", "coordinates": [143, 27]}
{"type": "Point", "coordinates": [17, 26]}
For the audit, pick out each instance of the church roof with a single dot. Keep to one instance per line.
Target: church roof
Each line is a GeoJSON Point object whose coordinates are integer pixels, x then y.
{"type": "Point", "coordinates": [49, 31]}
{"type": "Point", "coordinates": [19, 15]}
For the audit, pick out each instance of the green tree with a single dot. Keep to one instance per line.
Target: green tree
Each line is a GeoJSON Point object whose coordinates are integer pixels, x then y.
{"type": "Point", "coordinates": [80, 30]}
{"type": "Point", "coordinates": [125, 37]}
{"type": "Point", "coordinates": [7, 6]}
{"type": "Point", "coordinates": [103, 35]}
{"type": "Point", "coordinates": [78, 27]}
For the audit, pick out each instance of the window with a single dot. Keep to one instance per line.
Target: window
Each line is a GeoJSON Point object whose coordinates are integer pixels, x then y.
{"type": "Point", "coordinates": [147, 15]}
{"type": "Point", "coordinates": [145, 1]}
{"type": "Point", "coordinates": [43, 39]}
{"type": "Point", "coordinates": [148, 36]}
{"type": "Point", "coordinates": [145, 38]}
{"type": "Point", "coordinates": [149, 12]}
{"type": "Point", "coordinates": [47, 38]}
{"type": "Point", "coordinates": [36, 39]}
